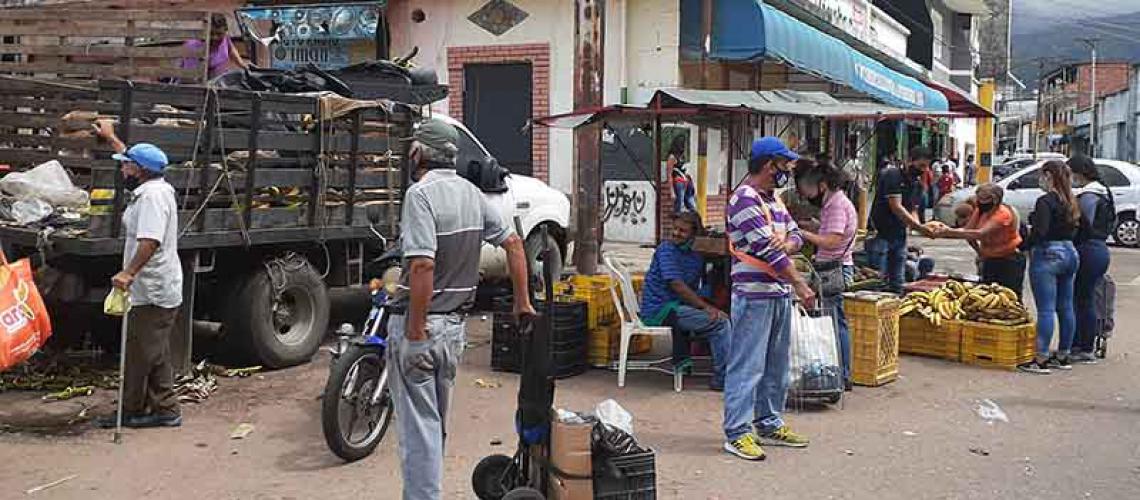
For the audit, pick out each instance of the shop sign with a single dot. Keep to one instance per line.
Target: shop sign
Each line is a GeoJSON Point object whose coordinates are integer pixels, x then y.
{"type": "Point", "coordinates": [325, 53]}
{"type": "Point", "coordinates": [888, 85]}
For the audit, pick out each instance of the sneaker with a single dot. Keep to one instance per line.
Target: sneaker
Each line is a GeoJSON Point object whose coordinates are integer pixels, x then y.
{"type": "Point", "coordinates": [1059, 363]}
{"type": "Point", "coordinates": [1083, 358]}
{"type": "Point", "coordinates": [745, 447]}
{"type": "Point", "coordinates": [174, 420]}
{"type": "Point", "coordinates": [784, 437]}
{"type": "Point", "coordinates": [131, 421]}
{"type": "Point", "coordinates": [1035, 368]}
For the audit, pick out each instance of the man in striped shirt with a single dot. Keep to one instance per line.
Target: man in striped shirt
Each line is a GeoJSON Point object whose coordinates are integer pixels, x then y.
{"type": "Point", "coordinates": [762, 235]}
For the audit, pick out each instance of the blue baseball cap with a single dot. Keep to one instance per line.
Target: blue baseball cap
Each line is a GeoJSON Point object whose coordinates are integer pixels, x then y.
{"type": "Point", "coordinates": [146, 155]}
{"type": "Point", "coordinates": [772, 146]}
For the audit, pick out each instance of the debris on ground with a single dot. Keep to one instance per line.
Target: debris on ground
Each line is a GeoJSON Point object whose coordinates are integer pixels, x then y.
{"type": "Point", "coordinates": [990, 412]}
{"type": "Point", "coordinates": [55, 375]}
{"type": "Point", "coordinates": [233, 372]}
{"type": "Point", "coordinates": [52, 484]}
{"type": "Point", "coordinates": [241, 431]}
{"type": "Point", "coordinates": [496, 442]}
{"type": "Point", "coordinates": [485, 384]}
{"type": "Point", "coordinates": [197, 386]}
{"type": "Point", "coordinates": [70, 392]}
{"type": "Point", "coordinates": [849, 452]}
{"type": "Point", "coordinates": [980, 451]}
{"type": "Point", "coordinates": [910, 433]}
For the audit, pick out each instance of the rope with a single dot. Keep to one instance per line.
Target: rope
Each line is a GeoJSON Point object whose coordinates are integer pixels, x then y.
{"type": "Point", "coordinates": [211, 90]}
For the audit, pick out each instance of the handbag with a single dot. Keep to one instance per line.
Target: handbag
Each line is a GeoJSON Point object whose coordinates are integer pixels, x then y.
{"type": "Point", "coordinates": [830, 272]}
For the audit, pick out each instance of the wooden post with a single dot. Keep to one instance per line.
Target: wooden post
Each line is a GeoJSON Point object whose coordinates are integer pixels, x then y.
{"type": "Point", "coordinates": [589, 51]}
{"type": "Point", "coordinates": [702, 171]}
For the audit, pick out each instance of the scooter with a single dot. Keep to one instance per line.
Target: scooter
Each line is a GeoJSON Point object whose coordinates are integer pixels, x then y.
{"type": "Point", "coordinates": [356, 406]}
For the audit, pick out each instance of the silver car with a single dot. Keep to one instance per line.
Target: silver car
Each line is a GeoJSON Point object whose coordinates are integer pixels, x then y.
{"type": "Point", "coordinates": [1022, 191]}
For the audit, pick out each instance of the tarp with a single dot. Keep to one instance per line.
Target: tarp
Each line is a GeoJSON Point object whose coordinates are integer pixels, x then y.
{"type": "Point", "coordinates": [960, 101]}
{"type": "Point", "coordinates": [747, 30]}
{"type": "Point", "coordinates": [690, 102]}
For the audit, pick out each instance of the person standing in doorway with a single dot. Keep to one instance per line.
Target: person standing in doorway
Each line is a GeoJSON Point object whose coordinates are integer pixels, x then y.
{"type": "Point", "coordinates": [1098, 220]}
{"type": "Point", "coordinates": [684, 190]}
{"type": "Point", "coordinates": [897, 191]}
{"type": "Point", "coordinates": [445, 220]}
{"type": "Point", "coordinates": [971, 171]}
{"type": "Point", "coordinates": [762, 234]}
{"type": "Point", "coordinates": [1053, 267]}
{"type": "Point", "coordinates": [152, 277]}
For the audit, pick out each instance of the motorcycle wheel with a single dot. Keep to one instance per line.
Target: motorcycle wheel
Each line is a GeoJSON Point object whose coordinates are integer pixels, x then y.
{"type": "Point", "coordinates": [487, 479]}
{"type": "Point", "coordinates": [353, 426]}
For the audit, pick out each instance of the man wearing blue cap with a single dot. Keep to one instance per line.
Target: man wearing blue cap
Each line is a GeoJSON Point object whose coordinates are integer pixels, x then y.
{"type": "Point", "coordinates": [152, 275]}
{"type": "Point", "coordinates": [762, 235]}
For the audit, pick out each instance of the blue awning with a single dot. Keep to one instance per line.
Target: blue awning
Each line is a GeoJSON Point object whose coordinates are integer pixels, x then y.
{"type": "Point", "coordinates": [747, 30]}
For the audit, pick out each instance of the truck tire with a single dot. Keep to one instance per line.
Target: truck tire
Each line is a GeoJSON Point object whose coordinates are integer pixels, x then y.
{"type": "Point", "coordinates": [279, 319]}
{"type": "Point", "coordinates": [534, 257]}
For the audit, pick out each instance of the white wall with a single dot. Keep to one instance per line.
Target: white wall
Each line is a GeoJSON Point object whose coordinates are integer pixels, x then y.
{"type": "Point", "coordinates": [446, 25]}
{"type": "Point", "coordinates": [965, 132]}
{"type": "Point", "coordinates": [653, 52]}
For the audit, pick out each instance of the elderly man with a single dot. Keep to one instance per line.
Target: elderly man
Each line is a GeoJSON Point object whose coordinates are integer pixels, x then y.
{"type": "Point", "coordinates": [993, 231]}
{"type": "Point", "coordinates": [762, 233]}
{"type": "Point", "coordinates": [152, 275]}
{"type": "Point", "coordinates": [670, 298]}
{"type": "Point", "coordinates": [445, 221]}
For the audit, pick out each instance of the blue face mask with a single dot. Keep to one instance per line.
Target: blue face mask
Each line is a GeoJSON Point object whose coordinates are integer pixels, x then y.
{"type": "Point", "coordinates": [782, 178]}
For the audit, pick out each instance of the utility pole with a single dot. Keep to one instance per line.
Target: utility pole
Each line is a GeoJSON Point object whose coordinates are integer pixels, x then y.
{"type": "Point", "coordinates": [589, 30]}
{"type": "Point", "coordinates": [1091, 42]}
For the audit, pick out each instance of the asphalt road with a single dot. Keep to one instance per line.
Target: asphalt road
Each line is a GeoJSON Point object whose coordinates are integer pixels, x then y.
{"type": "Point", "coordinates": [1069, 435]}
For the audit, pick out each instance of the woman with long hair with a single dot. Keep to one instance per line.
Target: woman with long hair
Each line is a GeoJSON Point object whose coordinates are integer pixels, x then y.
{"type": "Point", "coordinates": [1098, 220]}
{"type": "Point", "coordinates": [1053, 266]}
{"type": "Point", "coordinates": [222, 56]}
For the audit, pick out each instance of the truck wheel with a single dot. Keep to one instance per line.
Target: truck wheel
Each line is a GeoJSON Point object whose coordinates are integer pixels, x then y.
{"type": "Point", "coordinates": [279, 317]}
{"type": "Point", "coordinates": [534, 255]}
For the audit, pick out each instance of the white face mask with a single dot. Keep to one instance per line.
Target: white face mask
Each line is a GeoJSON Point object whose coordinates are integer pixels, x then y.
{"type": "Point", "coordinates": [1043, 182]}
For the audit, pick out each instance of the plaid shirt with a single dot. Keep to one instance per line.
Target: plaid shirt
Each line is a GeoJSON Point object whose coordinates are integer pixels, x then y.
{"type": "Point", "coordinates": [750, 231]}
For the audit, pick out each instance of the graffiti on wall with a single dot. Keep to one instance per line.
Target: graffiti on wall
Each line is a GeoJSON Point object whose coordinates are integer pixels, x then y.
{"type": "Point", "coordinates": [629, 211]}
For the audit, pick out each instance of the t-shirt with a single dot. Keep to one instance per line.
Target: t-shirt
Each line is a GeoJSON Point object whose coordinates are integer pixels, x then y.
{"type": "Point", "coordinates": [893, 182]}
{"type": "Point", "coordinates": [838, 216]}
{"type": "Point", "coordinates": [218, 58]}
{"type": "Point", "coordinates": [999, 244]}
{"type": "Point", "coordinates": [153, 214]}
{"type": "Point", "coordinates": [447, 219]}
{"type": "Point", "coordinates": [670, 263]}
{"type": "Point", "coordinates": [753, 219]}
{"type": "Point", "coordinates": [946, 183]}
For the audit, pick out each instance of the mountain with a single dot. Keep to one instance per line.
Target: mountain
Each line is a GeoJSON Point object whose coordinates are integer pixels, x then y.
{"type": "Point", "coordinates": [1055, 38]}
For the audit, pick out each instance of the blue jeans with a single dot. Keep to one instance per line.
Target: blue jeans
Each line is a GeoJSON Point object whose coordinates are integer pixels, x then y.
{"type": "Point", "coordinates": [756, 379]}
{"type": "Point", "coordinates": [1094, 263]}
{"type": "Point", "coordinates": [691, 322]}
{"type": "Point", "coordinates": [1052, 273]}
{"type": "Point", "coordinates": [841, 329]}
{"type": "Point", "coordinates": [889, 255]}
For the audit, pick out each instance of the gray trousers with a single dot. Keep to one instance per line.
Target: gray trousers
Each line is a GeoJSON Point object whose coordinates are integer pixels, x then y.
{"type": "Point", "coordinates": [422, 398]}
{"type": "Point", "coordinates": [148, 381]}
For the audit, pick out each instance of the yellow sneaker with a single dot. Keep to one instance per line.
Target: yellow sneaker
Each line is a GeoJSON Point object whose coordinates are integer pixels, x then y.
{"type": "Point", "coordinates": [745, 447]}
{"type": "Point", "coordinates": [784, 437]}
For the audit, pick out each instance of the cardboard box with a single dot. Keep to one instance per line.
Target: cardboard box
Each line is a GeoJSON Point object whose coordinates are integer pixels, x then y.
{"type": "Point", "coordinates": [570, 453]}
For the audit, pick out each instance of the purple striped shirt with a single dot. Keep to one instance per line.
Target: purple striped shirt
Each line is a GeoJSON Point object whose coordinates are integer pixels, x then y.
{"type": "Point", "coordinates": [750, 231]}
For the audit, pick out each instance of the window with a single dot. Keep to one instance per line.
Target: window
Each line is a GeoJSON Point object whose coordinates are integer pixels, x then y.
{"type": "Point", "coordinates": [1112, 177]}
{"type": "Point", "coordinates": [468, 151]}
{"type": "Point", "coordinates": [1026, 181]}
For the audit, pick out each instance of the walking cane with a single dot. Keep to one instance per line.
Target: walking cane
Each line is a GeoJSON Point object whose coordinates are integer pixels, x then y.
{"type": "Point", "coordinates": [122, 374]}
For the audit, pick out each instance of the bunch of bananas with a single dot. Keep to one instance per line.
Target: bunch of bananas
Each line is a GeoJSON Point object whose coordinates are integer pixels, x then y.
{"type": "Point", "coordinates": [956, 300]}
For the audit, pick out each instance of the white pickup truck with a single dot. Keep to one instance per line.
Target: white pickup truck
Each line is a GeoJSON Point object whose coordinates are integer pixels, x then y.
{"type": "Point", "coordinates": [533, 202]}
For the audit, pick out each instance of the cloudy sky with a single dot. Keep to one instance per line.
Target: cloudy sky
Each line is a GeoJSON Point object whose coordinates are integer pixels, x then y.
{"type": "Point", "coordinates": [1030, 15]}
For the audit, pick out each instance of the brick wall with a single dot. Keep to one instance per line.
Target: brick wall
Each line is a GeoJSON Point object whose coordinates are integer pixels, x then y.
{"type": "Point", "coordinates": [1111, 77]}
{"type": "Point", "coordinates": [715, 207]}
{"type": "Point", "coordinates": [538, 55]}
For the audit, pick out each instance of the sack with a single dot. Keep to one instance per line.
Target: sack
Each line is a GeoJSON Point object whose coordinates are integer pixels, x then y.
{"type": "Point", "coordinates": [815, 361]}
{"type": "Point", "coordinates": [24, 323]}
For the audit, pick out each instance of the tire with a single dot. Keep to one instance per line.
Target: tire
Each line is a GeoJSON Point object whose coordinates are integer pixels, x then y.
{"type": "Point", "coordinates": [487, 478]}
{"type": "Point", "coordinates": [279, 321]}
{"type": "Point", "coordinates": [834, 398]}
{"type": "Point", "coordinates": [534, 257]}
{"type": "Point", "coordinates": [1127, 231]}
{"type": "Point", "coordinates": [370, 369]}
{"type": "Point", "coordinates": [524, 493]}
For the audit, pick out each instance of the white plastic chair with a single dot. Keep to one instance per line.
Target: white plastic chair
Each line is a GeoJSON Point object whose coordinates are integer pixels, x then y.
{"type": "Point", "coordinates": [629, 315]}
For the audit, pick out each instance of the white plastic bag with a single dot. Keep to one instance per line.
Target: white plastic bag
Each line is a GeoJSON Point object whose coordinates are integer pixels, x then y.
{"type": "Point", "coordinates": [47, 182]}
{"type": "Point", "coordinates": [815, 363]}
{"type": "Point", "coordinates": [610, 413]}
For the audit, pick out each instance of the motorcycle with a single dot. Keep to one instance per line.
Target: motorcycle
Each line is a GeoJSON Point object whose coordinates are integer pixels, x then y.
{"type": "Point", "coordinates": [356, 406]}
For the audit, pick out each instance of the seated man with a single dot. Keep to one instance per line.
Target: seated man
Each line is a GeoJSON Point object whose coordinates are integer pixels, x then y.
{"type": "Point", "coordinates": [669, 297]}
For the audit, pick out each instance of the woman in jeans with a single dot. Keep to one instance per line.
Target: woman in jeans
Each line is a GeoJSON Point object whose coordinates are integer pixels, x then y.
{"type": "Point", "coordinates": [1098, 218]}
{"type": "Point", "coordinates": [821, 184]}
{"type": "Point", "coordinates": [1053, 265]}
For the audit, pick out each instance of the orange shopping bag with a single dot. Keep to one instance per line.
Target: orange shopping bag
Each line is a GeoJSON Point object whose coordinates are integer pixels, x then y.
{"type": "Point", "coordinates": [24, 322]}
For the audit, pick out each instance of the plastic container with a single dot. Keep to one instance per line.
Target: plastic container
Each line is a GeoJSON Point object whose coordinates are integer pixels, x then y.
{"type": "Point", "coordinates": [998, 346]}
{"type": "Point", "coordinates": [873, 321]}
{"type": "Point", "coordinates": [628, 477]}
{"type": "Point", "coordinates": [919, 336]}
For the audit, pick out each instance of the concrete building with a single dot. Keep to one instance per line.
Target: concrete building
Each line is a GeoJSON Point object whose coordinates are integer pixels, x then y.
{"type": "Point", "coordinates": [1118, 118]}
{"type": "Point", "coordinates": [1065, 92]}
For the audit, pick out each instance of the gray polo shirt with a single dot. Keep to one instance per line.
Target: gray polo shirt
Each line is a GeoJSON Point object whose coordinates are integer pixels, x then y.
{"type": "Point", "coordinates": [446, 218]}
{"type": "Point", "coordinates": [153, 214]}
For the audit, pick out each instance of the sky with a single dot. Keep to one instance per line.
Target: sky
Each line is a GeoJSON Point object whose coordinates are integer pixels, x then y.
{"type": "Point", "coordinates": [1030, 15]}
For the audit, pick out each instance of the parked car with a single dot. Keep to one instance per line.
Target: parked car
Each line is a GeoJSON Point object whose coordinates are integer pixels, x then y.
{"type": "Point", "coordinates": [1022, 191]}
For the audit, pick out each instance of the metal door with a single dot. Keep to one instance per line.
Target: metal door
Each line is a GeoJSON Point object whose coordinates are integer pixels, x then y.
{"type": "Point", "coordinates": [497, 109]}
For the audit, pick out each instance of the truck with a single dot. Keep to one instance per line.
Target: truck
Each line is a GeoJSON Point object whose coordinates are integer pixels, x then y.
{"type": "Point", "coordinates": [277, 194]}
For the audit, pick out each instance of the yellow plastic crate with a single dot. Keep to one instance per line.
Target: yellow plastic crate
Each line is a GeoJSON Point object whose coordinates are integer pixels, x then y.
{"type": "Point", "coordinates": [873, 322]}
{"type": "Point", "coordinates": [595, 292]}
{"type": "Point", "coordinates": [919, 336]}
{"type": "Point", "coordinates": [605, 342]}
{"type": "Point", "coordinates": [998, 346]}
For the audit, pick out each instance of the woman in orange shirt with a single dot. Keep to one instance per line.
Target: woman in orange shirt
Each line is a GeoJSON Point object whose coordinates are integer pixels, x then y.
{"type": "Point", "coordinates": [993, 232]}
